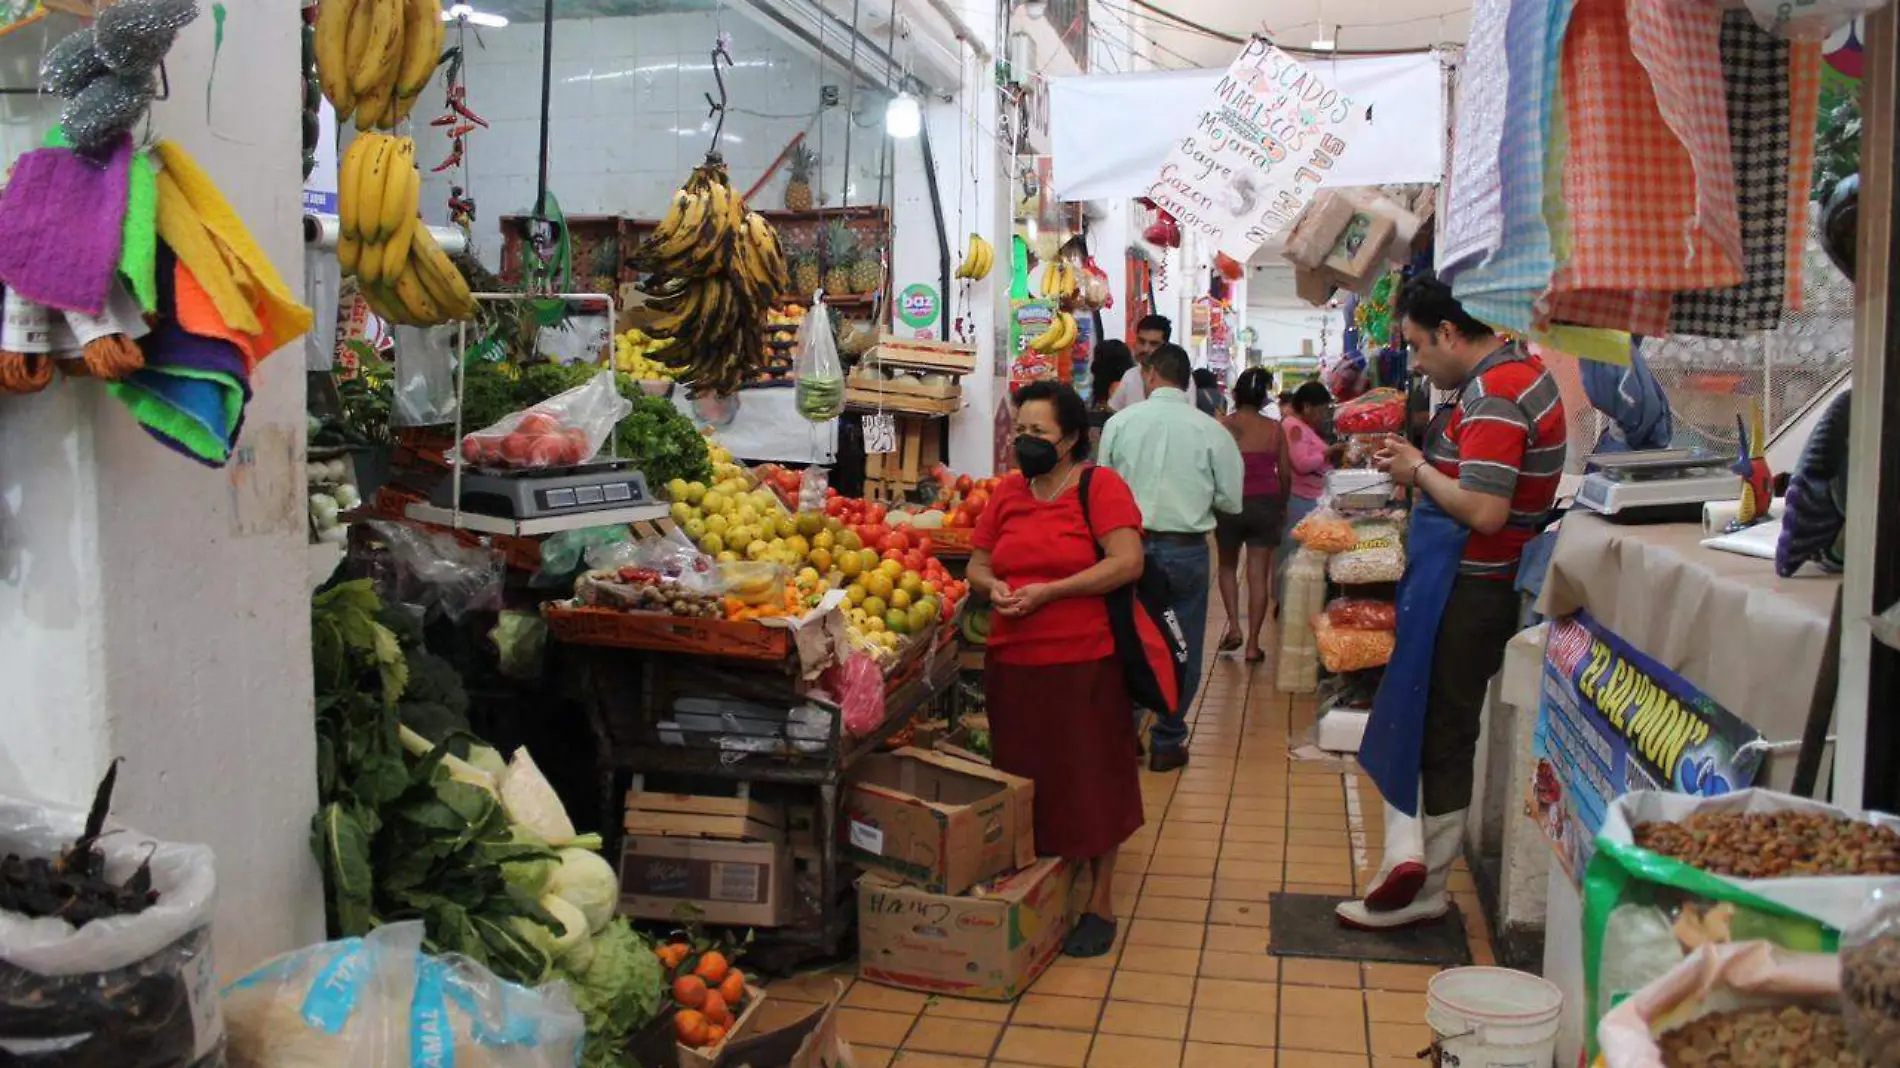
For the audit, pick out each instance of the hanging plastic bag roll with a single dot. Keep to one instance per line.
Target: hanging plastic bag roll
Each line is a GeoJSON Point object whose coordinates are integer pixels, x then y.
{"type": "Point", "coordinates": [1717, 515]}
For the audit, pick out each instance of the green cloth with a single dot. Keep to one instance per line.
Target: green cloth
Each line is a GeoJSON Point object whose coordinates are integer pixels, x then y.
{"type": "Point", "coordinates": [138, 258]}
{"type": "Point", "coordinates": [1181, 463]}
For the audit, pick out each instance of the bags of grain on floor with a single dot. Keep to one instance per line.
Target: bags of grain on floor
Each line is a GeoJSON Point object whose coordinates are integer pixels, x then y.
{"type": "Point", "coordinates": [1747, 1005]}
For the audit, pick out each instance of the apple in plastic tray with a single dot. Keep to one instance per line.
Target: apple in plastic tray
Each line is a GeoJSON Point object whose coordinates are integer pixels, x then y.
{"type": "Point", "coordinates": [538, 440]}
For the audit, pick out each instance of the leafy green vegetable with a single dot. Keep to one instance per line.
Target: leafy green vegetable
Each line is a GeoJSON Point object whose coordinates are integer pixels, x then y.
{"type": "Point", "coordinates": [588, 883]}
{"type": "Point", "coordinates": [616, 991]}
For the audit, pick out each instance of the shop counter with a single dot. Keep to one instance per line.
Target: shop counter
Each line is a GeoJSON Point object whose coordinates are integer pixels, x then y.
{"type": "Point", "coordinates": [1725, 623]}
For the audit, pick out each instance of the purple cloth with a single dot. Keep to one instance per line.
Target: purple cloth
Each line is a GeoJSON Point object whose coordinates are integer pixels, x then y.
{"type": "Point", "coordinates": [62, 226]}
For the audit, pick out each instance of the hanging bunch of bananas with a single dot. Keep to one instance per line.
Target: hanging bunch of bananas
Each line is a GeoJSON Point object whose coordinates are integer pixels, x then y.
{"type": "Point", "coordinates": [1060, 283]}
{"type": "Point", "coordinates": [375, 56]}
{"type": "Point", "coordinates": [716, 270]}
{"type": "Point", "coordinates": [1059, 336]}
{"type": "Point", "coordinates": [977, 260]}
{"type": "Point", "coordinates": [400, 270]}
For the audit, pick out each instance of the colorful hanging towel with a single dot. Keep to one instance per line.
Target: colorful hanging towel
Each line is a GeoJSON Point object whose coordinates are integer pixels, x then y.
{"type": "Point", "coordinates": [1501, 290]}
{"type": "Point", "coordinates": [1471, 221]}
{"type": "Point", "coordinates": [1649, 178]}
{"type": "Point", "coordinates": [1804, 89]}
{"type": "Point", "coordinates": [62, 226]}
{"type": "Point", "coordinates": [141, 222]}
{"type": "Point", "coordinates": [201, 227]}
{"type": "Point", "coordinates": [192, 392]}
{"type": "Point", "coordinates": [1755, 73]}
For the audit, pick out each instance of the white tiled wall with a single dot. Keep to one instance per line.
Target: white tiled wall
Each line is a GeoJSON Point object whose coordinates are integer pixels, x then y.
{"type": "Point", "coordinates": [629, 117]}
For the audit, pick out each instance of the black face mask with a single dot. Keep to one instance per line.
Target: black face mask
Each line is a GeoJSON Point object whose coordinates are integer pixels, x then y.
{"type": "Point", "coordinates": [1035, 456]}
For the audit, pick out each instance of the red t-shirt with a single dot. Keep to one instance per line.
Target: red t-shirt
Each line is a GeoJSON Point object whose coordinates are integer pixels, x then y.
{"type": "Point", "coordinates": [1505, 438]}
{"type": "Point", "coordinates": [1030, 541]}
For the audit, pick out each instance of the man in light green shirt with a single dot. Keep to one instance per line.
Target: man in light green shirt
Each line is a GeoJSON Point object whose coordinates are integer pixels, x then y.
{"type": "Point", "coordinates": [1183, 466]}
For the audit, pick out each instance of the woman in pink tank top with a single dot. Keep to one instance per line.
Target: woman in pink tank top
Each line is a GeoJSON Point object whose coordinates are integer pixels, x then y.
{"type": "Point", "coordinates": [1267, 479]}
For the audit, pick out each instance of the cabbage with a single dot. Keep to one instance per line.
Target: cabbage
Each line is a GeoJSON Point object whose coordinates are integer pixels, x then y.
{"type": "Point", "coordinates": [588, 883]}
{"type": "Point", "coordinates": [532, 803]}
{"type": "Point", "coordinates": [486, 758]}
{"type": "Point", "coordinates": [617, 990]}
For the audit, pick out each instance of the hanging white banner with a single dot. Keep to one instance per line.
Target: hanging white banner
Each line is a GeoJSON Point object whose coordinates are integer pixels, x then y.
{"type": "Point", "coordinates": [1110, 132]}
{"type": "Point", "coordinates": [1257, 152]}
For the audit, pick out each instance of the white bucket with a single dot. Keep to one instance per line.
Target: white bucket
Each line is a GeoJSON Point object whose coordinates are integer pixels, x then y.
{"type": "Point", "coordinates": [1492, 1018]}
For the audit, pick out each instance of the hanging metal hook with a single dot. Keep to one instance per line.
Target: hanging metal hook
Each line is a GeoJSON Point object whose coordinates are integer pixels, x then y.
{"type": "Point", "coordinates": [716, 109]}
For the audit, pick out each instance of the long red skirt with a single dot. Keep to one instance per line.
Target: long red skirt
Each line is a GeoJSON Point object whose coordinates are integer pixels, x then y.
{"type": "Point", "coordinates": [1071, 729]}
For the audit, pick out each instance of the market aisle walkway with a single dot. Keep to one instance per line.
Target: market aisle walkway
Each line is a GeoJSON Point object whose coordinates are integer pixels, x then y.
{"type": "Point", "coordinates": [1190, 985]}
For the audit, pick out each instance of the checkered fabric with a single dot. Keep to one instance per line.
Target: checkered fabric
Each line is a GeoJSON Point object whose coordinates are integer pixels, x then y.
{"type": "Point", "coordinates": [1502, 290]}
{"type": "Point", "coordinates": [1640, 215]}
{"type": "Point", "coordinates": [1755, 71]}
{"type": "Point", "coordinates": [1471, 219]}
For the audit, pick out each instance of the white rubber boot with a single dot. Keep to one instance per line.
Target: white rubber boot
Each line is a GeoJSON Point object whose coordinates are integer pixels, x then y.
{"type": "Point", "coordinates": [1402, 871]}
{"type": "Point", "coordinates": [1444, 842]}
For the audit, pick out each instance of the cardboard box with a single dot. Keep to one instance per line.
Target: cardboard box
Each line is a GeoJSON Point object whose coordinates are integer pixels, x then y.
{"type": "Point", "coordinates": [941, 823]}
{"type": "Point", "coordinates": [746, 883]}
{"type": "Point", "coordinates": [736, 819]}
{"type": "Point", "coordinates": [812, 1042]}
{"type": "Point", "coordinates": [1313, 286]}
{"type": "Point", "coordinates": [989, 946]}
{"type": "Point", "coordinates": [1318, 229]}
{"type": "Point", "coordinates": [1359, 252]}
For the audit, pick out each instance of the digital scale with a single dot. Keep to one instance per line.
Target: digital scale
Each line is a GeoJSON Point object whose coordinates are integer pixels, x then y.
{"type": "Point", "coordinates": [1657, 485]}
{"type": "Point", "coordinates": [598, 485]}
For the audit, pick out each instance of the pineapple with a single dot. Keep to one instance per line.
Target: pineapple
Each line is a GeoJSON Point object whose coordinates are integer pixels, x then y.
{"type": "Point", "coordinates": [841, 252]}
{"type": "Point", "coordinates": [805, 275]}
{"type": "Point", "coordinates": [868, 273]}
{"type": "Point", "coordinates": [798, 185]}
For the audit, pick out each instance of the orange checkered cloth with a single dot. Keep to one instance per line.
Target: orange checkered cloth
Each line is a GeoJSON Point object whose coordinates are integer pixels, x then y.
{"type": "Point", "coordinates": [1649, 179]}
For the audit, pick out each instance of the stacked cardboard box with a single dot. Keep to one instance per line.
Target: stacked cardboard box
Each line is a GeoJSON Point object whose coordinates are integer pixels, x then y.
{"type": "Point", "coordinates": [1345, 238]}
{"type": "Point", "coordinates": [727, 857]}
{"type": "Point", "coordinates": [954, 900]}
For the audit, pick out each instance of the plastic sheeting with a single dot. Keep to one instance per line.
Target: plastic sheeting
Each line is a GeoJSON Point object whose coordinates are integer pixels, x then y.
{"type": "Point", "coordinates": [1110, 132]}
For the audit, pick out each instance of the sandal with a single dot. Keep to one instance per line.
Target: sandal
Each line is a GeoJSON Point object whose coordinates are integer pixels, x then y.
{"type": "Point", "coordinates": [1229, 641]}
{"type": "Point", "coordinates": [1093, 937]}
{"type": "Point", "coordinates": [1256, 656]}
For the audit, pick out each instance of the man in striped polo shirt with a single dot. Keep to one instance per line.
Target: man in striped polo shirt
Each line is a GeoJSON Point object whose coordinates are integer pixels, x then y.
{"type": "Point", "coordinates": [1483, 487]}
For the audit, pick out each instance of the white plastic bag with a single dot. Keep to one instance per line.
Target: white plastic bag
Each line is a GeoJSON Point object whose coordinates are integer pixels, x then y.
{"type": "Point", "coordinates": [130, 991]}
{"type": "Point", "coordinates": [818, 392]}
{"type": "Point", "coordinates": [380, 1002]}
{"type": "Point", "coordinates": [567, 428]}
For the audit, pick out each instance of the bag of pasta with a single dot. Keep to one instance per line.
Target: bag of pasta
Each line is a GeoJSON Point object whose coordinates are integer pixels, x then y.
{"type": "Point", "coordinates": [1325, 531]}
{"type": "Point", "coordinates": [1342, 650]}
{"type": "Point", "coordinates": [1358, 613]}
{"type": "Point", "coordinates": [1376, 555]}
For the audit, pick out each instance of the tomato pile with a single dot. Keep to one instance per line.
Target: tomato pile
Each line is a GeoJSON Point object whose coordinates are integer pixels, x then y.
{"type": "Point", "coordinates": [962, 497]}
{"type": "Point", "coordinates": [538, 440]}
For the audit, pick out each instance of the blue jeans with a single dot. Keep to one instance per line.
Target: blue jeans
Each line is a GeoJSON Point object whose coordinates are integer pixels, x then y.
{"type": "Point", "coordinates": [1188, 568]}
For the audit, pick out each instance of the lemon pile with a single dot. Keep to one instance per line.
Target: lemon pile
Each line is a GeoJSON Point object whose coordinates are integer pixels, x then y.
{"type": "Point", "coordinates": [634, 355]}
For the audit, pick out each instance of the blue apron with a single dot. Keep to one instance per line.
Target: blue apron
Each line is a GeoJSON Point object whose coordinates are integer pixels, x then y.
{"type": "Point", "coordinates": [1395, 731]}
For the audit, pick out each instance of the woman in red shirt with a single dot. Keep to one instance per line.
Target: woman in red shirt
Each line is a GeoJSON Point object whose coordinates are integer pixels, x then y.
{"type": "Point", "coordinates": [1059, 710]}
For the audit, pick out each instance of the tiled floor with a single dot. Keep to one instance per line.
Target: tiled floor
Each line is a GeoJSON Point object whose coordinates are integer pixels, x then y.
{"type": "Point", "coordinates": [1191, 984]}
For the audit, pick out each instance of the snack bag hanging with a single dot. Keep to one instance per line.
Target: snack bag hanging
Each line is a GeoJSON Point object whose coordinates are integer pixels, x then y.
{"type": "Point", "coordinates": [567, 428]}
{"type": "Point", "coordinates": [819, 386]}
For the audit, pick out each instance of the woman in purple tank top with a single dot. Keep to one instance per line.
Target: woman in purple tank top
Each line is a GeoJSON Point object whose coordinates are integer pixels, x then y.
{"type": "Point", "coordinates": [1267, 479]}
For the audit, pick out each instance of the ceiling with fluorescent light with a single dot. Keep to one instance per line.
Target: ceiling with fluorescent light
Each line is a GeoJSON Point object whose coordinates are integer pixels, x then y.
{"type": "Point", "coordinates": [531, 10]}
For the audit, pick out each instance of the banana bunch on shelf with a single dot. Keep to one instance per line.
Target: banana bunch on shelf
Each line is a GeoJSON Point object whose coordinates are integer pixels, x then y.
{"type": "Point", "coordinates": [400, 270]}
{"type": "Point", "coordinates": [1060, 283]}
{"type": "Point", "coordinates": [1060, 335]}
{"type": "Point", "coordinates": [375, 56]}
{"type": "Point", "coordinates": [978, 260]}
{"type": "Point", "coordinates": [715, 269]}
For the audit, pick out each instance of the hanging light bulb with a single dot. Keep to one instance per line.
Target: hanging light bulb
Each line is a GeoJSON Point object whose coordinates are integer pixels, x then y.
{"type": "Point", "coordinates": [903, 116]}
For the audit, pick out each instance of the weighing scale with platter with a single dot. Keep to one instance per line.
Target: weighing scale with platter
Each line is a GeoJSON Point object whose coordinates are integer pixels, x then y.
{"type": "Point", "coordinates": [545, 500]}
{"type": "Point", "coordinates": [1657, 485]}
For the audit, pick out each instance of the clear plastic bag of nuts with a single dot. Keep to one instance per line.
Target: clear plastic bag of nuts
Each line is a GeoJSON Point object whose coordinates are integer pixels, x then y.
{"type": "Point", "coordinates": [1870, 979]}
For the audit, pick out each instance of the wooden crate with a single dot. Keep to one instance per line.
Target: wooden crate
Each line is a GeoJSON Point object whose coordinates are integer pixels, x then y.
{"type": "Point", "coordinates": [698, 816]}
{"type": "Point", "coordinates": [891, 476]}
{"type": "Point", "coordinates": [913, 354]}
{"type": "Point", "coordinates": [658, 632]}
{"type": "Point", "coordinates": [869, 394]}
